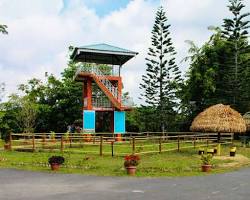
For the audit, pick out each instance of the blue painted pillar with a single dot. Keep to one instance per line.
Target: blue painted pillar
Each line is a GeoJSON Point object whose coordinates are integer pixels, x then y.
{"type": "Point", "coordinates": [119, 122]}
{"type": "Point", "coordinates": [89, 120]}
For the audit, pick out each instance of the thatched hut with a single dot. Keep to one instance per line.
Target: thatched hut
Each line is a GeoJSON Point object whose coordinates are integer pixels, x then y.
{"type": "Point", "coordinates": [219, 119]}
{"type": "Point", "coordinates": [246, 117]}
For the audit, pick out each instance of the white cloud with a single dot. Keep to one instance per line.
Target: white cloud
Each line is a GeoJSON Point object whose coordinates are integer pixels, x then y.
{"type": "Point", "coordinates": [40, 32]}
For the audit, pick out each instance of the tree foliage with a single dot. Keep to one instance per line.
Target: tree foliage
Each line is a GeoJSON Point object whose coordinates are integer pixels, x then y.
{"type": "Point", "coordinates": [162, 78]}
{"type": "Point", "coordinates": [235, 31]}
{"type": "Point", "coordinates": [219, 70]}
{"type": "Point", "coordinates": [57, 103]}
{"type": "Point", "coordinates": [3, 29]}
{"type": "Point", "coordinates": [2, 88]}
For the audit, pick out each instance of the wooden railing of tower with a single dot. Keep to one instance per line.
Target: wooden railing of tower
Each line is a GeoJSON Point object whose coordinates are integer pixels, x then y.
{"type": "Point", "coordinates": [112, 92]}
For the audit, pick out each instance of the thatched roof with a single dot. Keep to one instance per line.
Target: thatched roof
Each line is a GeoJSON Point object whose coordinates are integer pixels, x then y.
{"type": "Point", "coordinates": [219, 119]}
{"type": "Point", "coordinates": [246, 117]}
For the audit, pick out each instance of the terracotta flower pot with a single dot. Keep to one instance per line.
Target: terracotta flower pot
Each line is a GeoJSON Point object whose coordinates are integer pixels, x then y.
{"type": "Point", "coordinates": [200, 152]}
{"type": "Point", "coordinates": [6, 146]}
{"type": "Point", "coordinates": [131, 170]}
{"type": "Point", "coordinates": [206, 168]}
{"type": "Point", "coordinates": [215, 150]}
{"type": "Point", "coordinates": [55, 167]}
{"type": "Point", "coordinates": [232, 153]}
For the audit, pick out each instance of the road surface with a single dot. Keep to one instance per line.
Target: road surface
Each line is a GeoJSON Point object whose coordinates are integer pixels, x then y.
{"type": "Point", "coordinates": [26, 185]}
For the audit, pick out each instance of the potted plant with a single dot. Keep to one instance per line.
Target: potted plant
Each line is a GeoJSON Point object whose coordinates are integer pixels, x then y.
{"type": "Point", "coordinates": [55, 162]}
{"type": "Point", "coordinates": [215, 150]}
{"type": "Point", "coordinates": [6, 146]}
{"type": "Point", "coordinates": [130, 163]}
{"type": "Point", "coordinates": [232, 151]}
{"type": "Point", "coordinates": [206, 162]}
{"type": "Point", "coordinates": [7, 142]}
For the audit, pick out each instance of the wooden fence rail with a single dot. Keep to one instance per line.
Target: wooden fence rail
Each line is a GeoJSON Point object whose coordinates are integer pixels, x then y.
{"type": "Point", "coordinates": [140, 144]}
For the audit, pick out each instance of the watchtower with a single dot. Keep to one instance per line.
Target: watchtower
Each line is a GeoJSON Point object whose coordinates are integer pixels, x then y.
{"type": "Point", "coordinates": [99, 69]}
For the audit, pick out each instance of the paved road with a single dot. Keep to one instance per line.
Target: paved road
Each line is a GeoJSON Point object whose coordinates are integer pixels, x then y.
{"type": "Point", "coordinates": [25, 185]}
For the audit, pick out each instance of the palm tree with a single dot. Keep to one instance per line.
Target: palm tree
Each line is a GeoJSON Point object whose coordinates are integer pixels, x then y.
{"type": "Point", "coordinates": [3, 29]}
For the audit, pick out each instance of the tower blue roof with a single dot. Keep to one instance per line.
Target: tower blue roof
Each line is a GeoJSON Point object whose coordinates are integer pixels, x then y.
{"type": "Point", "coordinates": [107, 47]}
{"type": "Point", "coordinates": [102, 53]}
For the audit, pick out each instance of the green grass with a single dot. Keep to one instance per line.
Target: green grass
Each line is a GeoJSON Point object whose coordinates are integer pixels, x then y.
{"type": "Point", "coordinates": [184, 163]}
{"type": "Point", "coordinates": [1, 143]}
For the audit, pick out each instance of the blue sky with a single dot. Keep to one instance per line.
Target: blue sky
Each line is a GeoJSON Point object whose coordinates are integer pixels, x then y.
{"type": "Point", "coordinates": [40, 32]}
{"type": "Point", "coordinates": [102, 7]}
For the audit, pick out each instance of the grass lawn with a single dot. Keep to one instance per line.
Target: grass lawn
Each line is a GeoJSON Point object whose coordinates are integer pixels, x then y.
{"type": "Point", "coordinates": [184, 163]}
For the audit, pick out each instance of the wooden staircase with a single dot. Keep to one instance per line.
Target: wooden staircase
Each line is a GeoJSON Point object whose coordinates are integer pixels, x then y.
{"type": "Point", "coordinates": [111, 93]}
{"type": "Point", "coordinates": [104, 84]}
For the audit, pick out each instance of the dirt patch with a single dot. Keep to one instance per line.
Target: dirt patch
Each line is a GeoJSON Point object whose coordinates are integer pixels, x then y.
{"type": "Point", "coordinates": [237, 161]}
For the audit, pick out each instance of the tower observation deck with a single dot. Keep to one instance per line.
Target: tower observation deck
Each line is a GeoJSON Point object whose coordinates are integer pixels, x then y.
{"type": "Point", "coordinates": [99, 69]}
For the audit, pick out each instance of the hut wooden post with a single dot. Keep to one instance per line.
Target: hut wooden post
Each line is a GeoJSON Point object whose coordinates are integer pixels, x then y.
{"type": "Point", "coordinates": [218, 137]}
{"type": "Point", "coordinates": [207, 140]}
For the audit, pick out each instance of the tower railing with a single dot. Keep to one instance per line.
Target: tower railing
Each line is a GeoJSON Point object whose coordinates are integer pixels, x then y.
{"type": "Point", "coordinates": [101, 102]}
{"type": "Point", "coordinates": [101, 77]}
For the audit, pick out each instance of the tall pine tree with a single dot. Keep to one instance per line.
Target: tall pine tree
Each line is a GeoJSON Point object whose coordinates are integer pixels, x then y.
{"type": "Point", "coordinates": [160, 83]}
{"type": "Point", "coordinates": [3, 29]}
{"type": "Point", "coordinates": [235, 31]}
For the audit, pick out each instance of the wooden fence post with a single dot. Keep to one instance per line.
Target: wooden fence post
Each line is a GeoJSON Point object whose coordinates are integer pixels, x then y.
{"type": "Point", "coordinates": [207, 140]}
{"type": "Point", "coordinates": [43, 141]}
{"type": "Point", "coordinates": [112, 148]}
{"type": "Point", "coordinates": [178, 143]}
{"type": "Point", "coordinates": [10, 142]}
{"type": "Point", "coordinates": [62, 143]}
{"type": "Point", "coordinates": [101, 143]}
{"type": "Point", "coordinates": [194, 142]}
{"type": "Point", "coordinates": [160, 141]}
{"type": "Point", "coordinates": [94, 140]}
{"type": "Point", "coordinates": [133, 145]}
{"type": "Point", "coordinates": [70, 140]}
{"type": "Point", "coordinates": [33, 142]}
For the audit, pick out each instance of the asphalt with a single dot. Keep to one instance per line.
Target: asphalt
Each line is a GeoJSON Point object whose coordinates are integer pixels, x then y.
{"type": "Point", "coordinates": [26, 185]}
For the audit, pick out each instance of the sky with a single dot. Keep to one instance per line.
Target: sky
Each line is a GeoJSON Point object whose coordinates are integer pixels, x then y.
{"type": "Point", "coordinates": [40, 32]}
